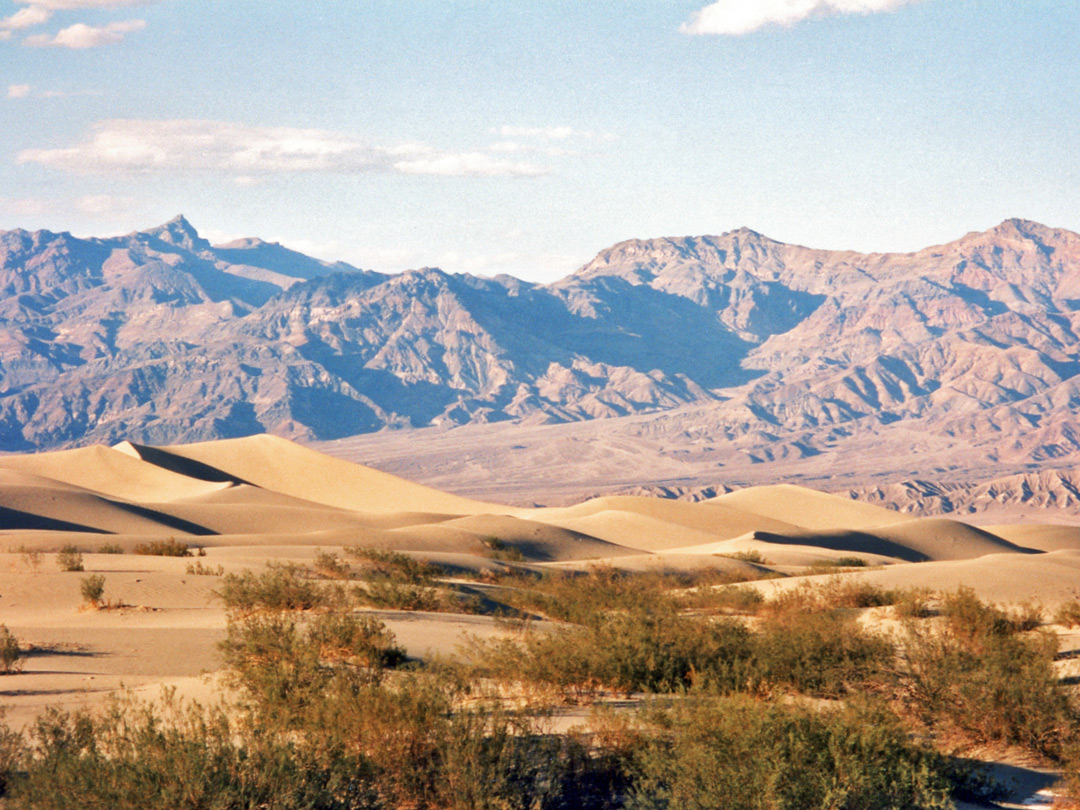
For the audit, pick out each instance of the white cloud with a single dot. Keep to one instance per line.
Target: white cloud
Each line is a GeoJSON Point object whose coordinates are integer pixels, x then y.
{"type": "Point", "coordinates": [81, 36]}
{"type": "Point", "coordinates": [245, 152]}
{"type": "Point", "coordinates": [738, 17]}
{"type": "Point", "coordinates": [18, 90]}
{"type": "Point", "coordinates": [25, 18]}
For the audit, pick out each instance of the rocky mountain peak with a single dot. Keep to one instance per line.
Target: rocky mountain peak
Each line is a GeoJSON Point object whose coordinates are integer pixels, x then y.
{"type": "Point", "coordinates": [177, 232]}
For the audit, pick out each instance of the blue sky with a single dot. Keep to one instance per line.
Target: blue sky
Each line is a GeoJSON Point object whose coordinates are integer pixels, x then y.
{"type": "Point", "coordinates": [524, 137]}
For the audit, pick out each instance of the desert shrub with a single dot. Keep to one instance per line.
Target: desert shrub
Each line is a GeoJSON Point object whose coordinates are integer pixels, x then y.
{"type": "Point", "coordinates": [979, 674]}
{"type": "Point", "coordinates": [728, 598]}
{"type": "Point", "coordinates": [199, 569]}
{"type": "Point", "coordinates": [279, 587]}
{"type": "Point", "coordinates": [651, 649]}
{"type": "Point", "coordinates": [394, 564]}
{"type": "Point", "coordinates": [913, 603]}
{"type": "Point", "coordinates": [93, 589]}
{"type": "Point", "coordinates": [164, 548]}
{"type": "Point", "coordinates": [134, 756]}
{"type": "Point", "coordinates": [850, 562]}
{"type": "Point", "coordinates": [739, 753]}
{"type": "Point", "coordinates": [69, 558]}
{"type": "Point", "coordinates": [835, 592]}
{"type": "Point", "coordinates": [110, 548]}
{"type": "Point", "coordinates": [391, 595]}
{"type": "Point", "coordinates": [11, 654]}
{"type": "Point", "coordinates": [826, 654]}
{"type": "Point", "coordinates": [750, 556]}
{"type": "Point", "coordinates": [284, 666]}
{"type": "Point", "coordinates": [30, 556]}
{"type": "Point", "coordinates": [499, 549]}
{"type": "Point", "coordinates": [1068, 614]}
{"type": "Point", "coordinates": [328, 565]}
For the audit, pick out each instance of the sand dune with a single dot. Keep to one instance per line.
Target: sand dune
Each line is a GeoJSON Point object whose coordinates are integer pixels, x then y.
{"type": "Point", "coordinates": [1047, 579]}
{"type": "Point", "coordinates": [251, 501]}
{"type": "Point", "coordinates": [283, 466]}
{"type": "Point", "coordinates": [807, 508]}
{"type": "Point", "coordinates": [110, 472]}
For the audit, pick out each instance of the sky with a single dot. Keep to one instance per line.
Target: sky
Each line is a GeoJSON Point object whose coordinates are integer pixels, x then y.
{"type": "Point", "coordinates": [525, 136]}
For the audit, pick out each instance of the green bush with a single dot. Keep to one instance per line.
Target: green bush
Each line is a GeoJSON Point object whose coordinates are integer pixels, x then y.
{"type": "Point", "coordinates": [394, 565]}
{"type": "Point", "coordinates": [1068, 614]}
{"type": "Point", "coordinates": [164, 548]}
{"type": "Point", "coordinates": [11, 654]}
{"type": "Point", "coordinates": [329, 566]}
{"type": "Point", "coordinates": [284, 666]}
{"type": "Point", "coordinates": [824, 654]}
{"type": "Point", "coordinates": [739, 753]}
{"type": "Point", "coordinates": [979, 673]}
{"type": "Point", "coordinates": [93, 588]}
{"type": "Point", "coordinates": [133, 757]}
{"type": "Point", "coordinates": [279, 587]}
{"type": "Point", "coordinates": [69, 558]}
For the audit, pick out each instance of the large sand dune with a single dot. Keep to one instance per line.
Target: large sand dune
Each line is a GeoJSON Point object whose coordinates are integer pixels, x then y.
{"type": "Point", "coordinates": [250, 501]}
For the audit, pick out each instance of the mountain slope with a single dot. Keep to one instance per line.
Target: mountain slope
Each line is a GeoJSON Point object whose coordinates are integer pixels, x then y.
{"type": "Point", "coordinates": [761, 351]}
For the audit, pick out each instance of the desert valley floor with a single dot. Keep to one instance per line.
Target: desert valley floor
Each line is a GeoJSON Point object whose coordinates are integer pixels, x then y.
{"type": "Point", "coordinates": [247, 502]}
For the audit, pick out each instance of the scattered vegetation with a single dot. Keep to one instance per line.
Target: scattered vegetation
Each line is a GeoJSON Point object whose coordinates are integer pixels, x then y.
{"type": "Point", "coordinates": [1068, 614]}
{"type": "Point", "coordinates": [983, 673]}
{"type": "Point", "coordinates": [751, 556]}
{"type": "Point", "coordinates": [164, 548]}
{"type": "Point", "coordinates": [11, 655]}
{"type": "Point", "coordinates": [499, 549]}
{"type": "Point", "coordinates": [736, 752]}
{"type": "Point", "coordinates": [69, 558]}
{"type": "Point", "coordinates": [200, 569]}
{"type": "Point", "coordinates": [110, 548]}
{"type": "Point", "coordinates": [93, 589]}
{"type": "Point", "coordinates": [792, 702]}
{"type": "Point", "coordinates": [279, 587]}
{"type": "Point", "coordinates": [31, 556]}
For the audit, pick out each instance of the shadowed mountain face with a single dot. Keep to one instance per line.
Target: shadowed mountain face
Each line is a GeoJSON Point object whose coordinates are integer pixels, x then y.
{"type": "Point", "coordinates": [782, 350]}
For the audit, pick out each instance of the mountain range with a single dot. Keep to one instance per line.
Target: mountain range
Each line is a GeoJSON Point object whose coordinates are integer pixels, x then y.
{"type": "Point", "coordinates": [755, 350]}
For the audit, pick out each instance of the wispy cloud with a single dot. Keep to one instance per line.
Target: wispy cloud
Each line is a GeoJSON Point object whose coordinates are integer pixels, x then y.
{"type": "Point", "coordinates": [24, 18]}
{"type": "Point", "coordinates": [242, 151]}
{"type": "Point", "coordinates": [738, 17]}
{"type": "Point", "coordinates": [81, 35]}
{"type": "Point", "coordinates": [18, 90]}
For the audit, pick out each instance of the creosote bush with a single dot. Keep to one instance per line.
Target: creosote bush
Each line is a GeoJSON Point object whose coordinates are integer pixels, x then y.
{"type": "Point", "coordinates": [982, 672]}
{"type": "Point", "coordinates": [708, 754]}
{"type": "Point", "coordinates": [93, 589]}
{"type": "Point", "coordinates": [69, 558]}
{"type": "Point", "coordinates": [328, 712]}
{"type": "Point", "coordinates": [1068, 614]}
{"type": "Point", "coordinates": [11, 654]}
{"type": "Point", "coordinates": [279, 587]}
{"type": "Point", "coordinates": [164, 548]}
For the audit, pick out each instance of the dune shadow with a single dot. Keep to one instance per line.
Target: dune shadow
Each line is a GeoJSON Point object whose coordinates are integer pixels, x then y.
{"type": "Point", "coordinates": [184, 466]}
{"type": "Point", "coordinates": [18, 519]}
{"type": "Point", "coordinates": [853, 541]}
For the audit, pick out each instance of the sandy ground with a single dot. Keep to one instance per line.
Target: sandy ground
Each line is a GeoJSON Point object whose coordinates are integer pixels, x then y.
{"type": "Point", "coordinates": [250, 501]}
